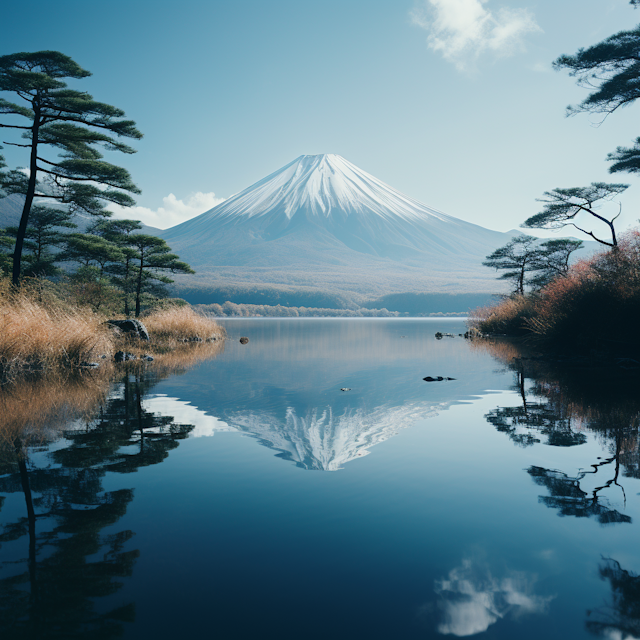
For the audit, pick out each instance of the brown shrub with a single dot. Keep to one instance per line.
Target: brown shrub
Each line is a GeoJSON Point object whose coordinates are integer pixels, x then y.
{"type": "Point", "coordinates": [508, 317]}
{"type": "Point", "coordinates": [597, 304]}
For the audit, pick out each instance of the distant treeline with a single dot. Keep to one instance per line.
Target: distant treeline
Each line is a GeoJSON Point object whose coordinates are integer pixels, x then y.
{"type": "Point", "coordinates": [414, 304]}
{"type": "Point", "coordinates": [263, 295]}
{"type": "Point", "coordinates": [233, 310]}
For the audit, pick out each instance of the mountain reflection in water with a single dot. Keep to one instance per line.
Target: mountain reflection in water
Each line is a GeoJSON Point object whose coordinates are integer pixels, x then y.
{"type": "Point", "coordinates": [101, 539]}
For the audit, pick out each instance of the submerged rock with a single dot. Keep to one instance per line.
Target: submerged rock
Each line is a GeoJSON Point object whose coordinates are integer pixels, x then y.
{"type": "Point", "coordinates": [123, 356]}
{"type": "Point", "coordinates": [133, 327]}
{"type": "Point", "coordinates": [244, 340]}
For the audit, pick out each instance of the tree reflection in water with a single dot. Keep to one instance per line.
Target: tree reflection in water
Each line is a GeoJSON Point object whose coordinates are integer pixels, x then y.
{"type": "Point", "coordinates": [562, 402]}
{"type": "Point", "coordinates": [51, 593]}
{"type": "Point", "coordinates": [620, 617]}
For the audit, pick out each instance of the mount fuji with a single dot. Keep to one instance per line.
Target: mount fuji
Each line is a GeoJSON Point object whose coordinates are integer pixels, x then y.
{"type": "Point", "coordinates": [321, 222]}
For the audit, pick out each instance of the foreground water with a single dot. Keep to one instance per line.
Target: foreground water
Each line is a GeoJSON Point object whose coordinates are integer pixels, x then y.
{"type": "Point", "coordinates": [248, 496]}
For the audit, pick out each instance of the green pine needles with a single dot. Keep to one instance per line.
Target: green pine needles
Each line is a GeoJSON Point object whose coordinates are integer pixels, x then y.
{"type": "Point", "coordinates": [67, 121]}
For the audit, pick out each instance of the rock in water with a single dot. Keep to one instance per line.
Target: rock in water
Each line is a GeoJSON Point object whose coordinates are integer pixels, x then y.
{"type": "Point", "coordinates": [123, 356]}
{"type": "Point", "coordinates": [132, 327]}
{"type": "Point", "coordinates": [244, 340]}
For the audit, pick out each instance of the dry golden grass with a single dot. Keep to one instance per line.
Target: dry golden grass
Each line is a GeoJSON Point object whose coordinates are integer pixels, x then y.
{"type": "Point", "coordinates": [38, 333]}
{"type": "Point", "coordinates": [179, 324]}
{"type": "Point", "coordinates": [507, 317]}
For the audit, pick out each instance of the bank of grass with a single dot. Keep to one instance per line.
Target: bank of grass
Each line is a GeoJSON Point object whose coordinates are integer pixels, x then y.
{"type": "Point", "coordinates": [175, 324]}
{"type": "Point", "coordinates": [42, 330]}
{"type": "Point", "coordinates": [596, 306]}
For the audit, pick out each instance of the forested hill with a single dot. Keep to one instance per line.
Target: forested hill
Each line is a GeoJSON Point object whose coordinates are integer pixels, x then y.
{"type": "Point", "coordinates": [11, 210]}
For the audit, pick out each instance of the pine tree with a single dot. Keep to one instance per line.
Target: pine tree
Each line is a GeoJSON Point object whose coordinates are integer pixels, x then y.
{"type": "Point", "coordinates": [153, 257]}
{"type": "Point", "coordinates": [552, 260]}
{"type": "Point", "coordinates": [94, 254]}
{"type": "Point", "coordinates": [562, 207]}
{"type": "Point", "coordinates": [517, 258]}
{"type": "Point", "coordinates": [611, 71]}
{"type": "Point", "coordinates": [43, 234]}
{"type": "Point", "coordinates": [67, 120]}
{"type": "Point", "coordinates": [122, 273]}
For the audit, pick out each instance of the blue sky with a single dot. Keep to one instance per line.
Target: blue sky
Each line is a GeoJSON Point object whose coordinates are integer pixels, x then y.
{"type": "Point", "coordinates": [453, 102]}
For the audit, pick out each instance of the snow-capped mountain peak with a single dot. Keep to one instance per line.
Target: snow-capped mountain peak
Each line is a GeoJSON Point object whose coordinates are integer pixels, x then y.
{"type": "Point", "coordinates": [322, 185]}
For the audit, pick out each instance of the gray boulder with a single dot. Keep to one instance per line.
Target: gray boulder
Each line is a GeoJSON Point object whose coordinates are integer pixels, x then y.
{"type": "Point", "coordinates": [134, 328]}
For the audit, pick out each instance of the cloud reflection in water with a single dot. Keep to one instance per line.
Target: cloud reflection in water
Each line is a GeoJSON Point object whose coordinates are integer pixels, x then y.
{"type": "Point", "coordinates": [471, 599]}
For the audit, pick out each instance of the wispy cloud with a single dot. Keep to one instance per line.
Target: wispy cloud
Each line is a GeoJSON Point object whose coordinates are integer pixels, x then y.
{"type": "Point", "coordinates": [173, 211]}
{"type": "Point", "coordinates": [463, 30]}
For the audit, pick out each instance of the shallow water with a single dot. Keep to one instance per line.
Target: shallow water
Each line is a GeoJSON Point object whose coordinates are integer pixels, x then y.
{"type": "Point", "coordinates": [248, 496]}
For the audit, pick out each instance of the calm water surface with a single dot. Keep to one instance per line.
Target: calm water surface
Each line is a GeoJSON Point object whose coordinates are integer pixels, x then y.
{"type": "Point", "coordinates": [247, 496]}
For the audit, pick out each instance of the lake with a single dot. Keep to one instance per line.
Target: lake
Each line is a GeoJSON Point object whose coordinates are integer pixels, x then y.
{"type": "Point", "coordinates": [311, 484]}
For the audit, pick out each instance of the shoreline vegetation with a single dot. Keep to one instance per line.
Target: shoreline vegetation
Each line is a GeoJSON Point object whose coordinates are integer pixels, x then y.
{"type": "Point", "coordinates": [591, 309]}
{"type": "Point", "coordinates": [44, 329]}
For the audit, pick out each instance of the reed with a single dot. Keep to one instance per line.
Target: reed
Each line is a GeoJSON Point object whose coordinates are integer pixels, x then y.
{"type": "Point", "coordinates": [176, 324]}
{"type": "Point", "coordinates": [41, 332]}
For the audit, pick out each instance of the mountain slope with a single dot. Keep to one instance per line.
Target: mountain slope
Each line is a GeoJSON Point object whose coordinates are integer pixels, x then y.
{"type": "Point", "coordinates": [320, 203]}
{"type": "Point", "coordinates": [321, 221]}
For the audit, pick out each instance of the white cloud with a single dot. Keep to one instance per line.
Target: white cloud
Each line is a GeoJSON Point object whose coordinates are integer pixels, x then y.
{"type": "Point", "coordinates": [463, 30]}
{"type": "Point", "coordinates": [173, 211]}
{"type": "Point", "coordinates": [471, 599]}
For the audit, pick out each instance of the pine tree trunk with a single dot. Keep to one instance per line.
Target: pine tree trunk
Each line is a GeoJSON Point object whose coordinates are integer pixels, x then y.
{"type": "Point", "coordinates": [139, 290]}
{"type": "Point", "coordinates": [126, 287]}
{"type": "Point", "coordinates": [31, 189]}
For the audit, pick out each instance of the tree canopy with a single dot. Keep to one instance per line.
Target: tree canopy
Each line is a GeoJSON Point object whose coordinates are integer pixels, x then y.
{"type": "Point", "coordinates": [552, 260]}
{"type": "Point", "coordinates": [72, 123]}
{"type": "Point", "coordinates": [562, 207]}
{"type": "Point", "coordinates": [43, 236]}
{"type": "Point", "coordinates": [611, 71]}
{"type": "Point", "coordinates": [516, 259]}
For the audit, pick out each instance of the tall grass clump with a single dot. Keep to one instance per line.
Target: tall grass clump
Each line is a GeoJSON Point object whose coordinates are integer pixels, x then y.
{"type": "Point", "coordinates": [40, 332]}
{"type": "Point", "coordinates": [508, 317]}
{"type": "Point", "coordinates": [182, 324]}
